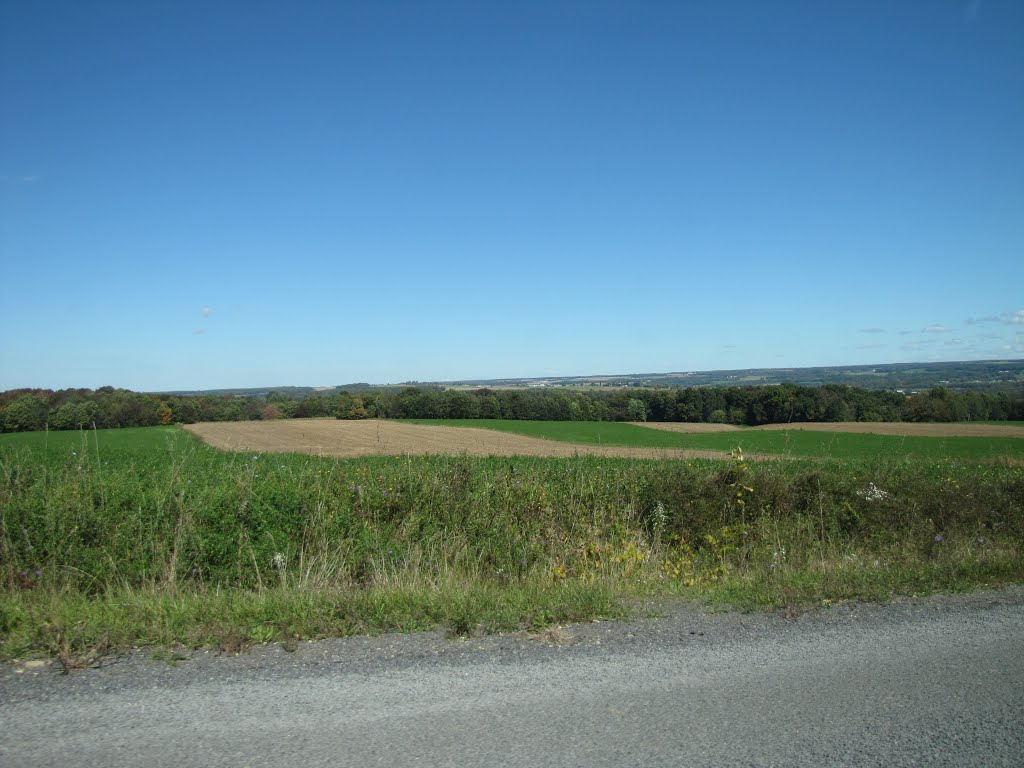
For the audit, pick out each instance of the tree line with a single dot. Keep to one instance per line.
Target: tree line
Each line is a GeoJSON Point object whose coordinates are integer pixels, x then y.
{"type": "Point", "coordinates": [107, 407]}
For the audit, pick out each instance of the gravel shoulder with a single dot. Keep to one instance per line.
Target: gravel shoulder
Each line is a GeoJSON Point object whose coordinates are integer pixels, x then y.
{"type": "Point", "coordinates": [937, 680]}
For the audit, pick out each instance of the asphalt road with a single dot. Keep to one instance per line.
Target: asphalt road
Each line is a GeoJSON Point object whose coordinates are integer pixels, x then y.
{"type": "Point", "coordinates": [937, 682]}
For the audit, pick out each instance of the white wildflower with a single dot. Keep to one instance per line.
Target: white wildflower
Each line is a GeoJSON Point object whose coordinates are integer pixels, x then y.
{"type": "Point", "coordinates": [873, 493]}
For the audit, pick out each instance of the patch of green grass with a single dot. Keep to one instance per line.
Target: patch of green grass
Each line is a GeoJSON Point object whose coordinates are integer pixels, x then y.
{"type": "Point", "coordinates": [139, 439]}
{"type": "Point", "coordinates": [75, 627]}
{"type": "Point", "coordinates": [803, 443]}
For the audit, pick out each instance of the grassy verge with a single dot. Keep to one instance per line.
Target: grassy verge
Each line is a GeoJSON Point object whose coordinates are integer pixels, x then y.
{"type": "Point", "coordinates": [801, 443]}
{"type": "Point", "coordinates": [160, 543]}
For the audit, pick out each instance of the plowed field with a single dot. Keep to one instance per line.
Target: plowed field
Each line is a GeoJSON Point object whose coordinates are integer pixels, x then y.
{"type": "Point", "coordinates": [330, 437]}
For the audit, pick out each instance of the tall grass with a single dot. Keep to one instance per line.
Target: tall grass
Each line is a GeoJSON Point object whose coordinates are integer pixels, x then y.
{"type": "Point", "coordinates": [108, 548]}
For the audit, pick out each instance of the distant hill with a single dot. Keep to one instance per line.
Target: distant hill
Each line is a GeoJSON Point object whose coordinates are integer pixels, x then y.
{"type": "Point", "coordinates": [295, 393]}
{"type": "Point", "coordinates": [974, 375]}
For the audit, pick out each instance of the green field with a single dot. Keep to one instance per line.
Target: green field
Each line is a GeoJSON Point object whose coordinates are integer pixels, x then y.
{"type": "Point", "coordinates": [801, 443]}
{"type": "Point", "coordinates": [147, 537]}
{"type": "Point", "coordinates": [144, 439]}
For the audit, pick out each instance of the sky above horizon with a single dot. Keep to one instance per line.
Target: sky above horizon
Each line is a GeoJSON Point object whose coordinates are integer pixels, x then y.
{"type": "Point", "coordinates": [197, 195]}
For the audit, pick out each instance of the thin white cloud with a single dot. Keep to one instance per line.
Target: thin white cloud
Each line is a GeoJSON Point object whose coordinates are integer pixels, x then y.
{"type": "Point", "coordinates": [912, 346]}
{"type": "Point", "coordinates": [206, 312]}
{"type": "Point", "coordinates": [1010, 318]}
{"type": "Point", "coordinates": [935, 328]}
{"type": "Point", "coordinates": [199, 331]}
{"type": "Point", "coordinates": [953, 342]}
{"type": "Point", "coordinates": [31, 178]}
{"type": "Point", "coordinates": [971, 11]}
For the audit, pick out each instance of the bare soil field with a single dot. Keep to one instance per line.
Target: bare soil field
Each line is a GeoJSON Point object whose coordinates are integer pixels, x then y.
{"type": "Point", "coordinates": [346, 439]}
{"type": "Point", "coordinates": [901, 429]}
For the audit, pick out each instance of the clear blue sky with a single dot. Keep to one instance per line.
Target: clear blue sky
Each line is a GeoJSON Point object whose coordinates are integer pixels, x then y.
{"type": "Point", "coordinates": [214, 194]}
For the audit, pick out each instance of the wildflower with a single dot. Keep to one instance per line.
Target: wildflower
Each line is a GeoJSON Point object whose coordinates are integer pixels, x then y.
{"type": "Point", "coordinates": [873, 493]}
{"type": "Point", "coordinates": [37, 573]}
{"type": "Point", "coordinates": [981, 539]}
{"type": "Point", "coordinates": [938, 537]}
{"type": "Point", "coordinates": [278, 561]}
{"type": "Point", "coordinates": [74, 453]}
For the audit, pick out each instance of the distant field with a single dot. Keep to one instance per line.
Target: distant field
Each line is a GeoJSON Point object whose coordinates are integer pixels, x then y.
{"type": "Point", "coordinates": [349, 439]}
{"type": "Point", "coordinates": [488, 437]}
{"type": "Point", "coordinates": [803, 443]}
{"type": "Point", "coordinates": [147, 439]}
{"type": "Point", "coordinates": [900, 429]}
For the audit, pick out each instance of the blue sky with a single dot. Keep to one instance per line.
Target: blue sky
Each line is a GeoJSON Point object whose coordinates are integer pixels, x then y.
{"type": "Point", "coordinates": [216, 194]}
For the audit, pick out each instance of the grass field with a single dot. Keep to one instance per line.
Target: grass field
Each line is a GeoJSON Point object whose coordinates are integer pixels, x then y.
{"type": "Point", "coordinates": [148, 537]}
{"type": "Point", "coordinates": [145, 439]}
{"type": "Point", "coordinates": [811, 444]}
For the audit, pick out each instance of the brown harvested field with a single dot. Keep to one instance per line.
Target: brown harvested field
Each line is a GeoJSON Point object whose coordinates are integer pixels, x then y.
{"type": "Point", "coordinates": [346, 439]}
{"type": "Point", "coordinates": [904, 429]}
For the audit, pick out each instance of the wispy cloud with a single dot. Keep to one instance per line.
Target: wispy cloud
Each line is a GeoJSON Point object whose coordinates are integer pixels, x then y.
{"type": "Point", "coordinates": [971, 11]}
{"type": "Point", "coordinates": [953, 342]}
{"type": "Point", "coordinates": [871, 330]}
{"type": "Point", "coordinates": [913, 346]}
{"type": "Point", "coordinates": [205, 311]}
{"type": "Point", "coordinates": [1010, 318]}
{"type": "Point", "coordinates": [199, 331]}
{"type": "Point", "coordinates": [16, 178]}
{"type": "Point", "coordinates": [935, 328]}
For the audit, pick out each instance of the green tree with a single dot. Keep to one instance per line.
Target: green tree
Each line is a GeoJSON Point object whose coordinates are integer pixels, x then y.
{"type": "Point", "coordinates": [26, 414]}
{"type": "Point", "coordinates": [636, 410]}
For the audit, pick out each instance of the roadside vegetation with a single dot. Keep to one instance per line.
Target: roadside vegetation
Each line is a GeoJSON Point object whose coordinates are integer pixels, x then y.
{"type": "Point", "coordinates": [114, 539]}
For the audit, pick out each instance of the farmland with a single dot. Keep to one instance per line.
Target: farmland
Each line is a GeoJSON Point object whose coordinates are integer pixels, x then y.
{"type": "Point", "coordinates": [494, 437]}
{"type": "Point", "coordinates": [844, 441]}
{"type": "Point", "coordinates": [114, 538]}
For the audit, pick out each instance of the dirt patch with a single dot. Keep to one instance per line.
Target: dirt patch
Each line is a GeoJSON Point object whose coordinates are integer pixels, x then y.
{"type": "Point", "coordinates": [373, 437]}
{"type": "Point", "coordinates": [688, 427]}
{"type": "Point", "coordinates": [900, 429]}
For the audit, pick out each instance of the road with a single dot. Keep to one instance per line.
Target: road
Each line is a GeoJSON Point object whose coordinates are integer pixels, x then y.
{"type": "Point", "coordinates": [935, 681]}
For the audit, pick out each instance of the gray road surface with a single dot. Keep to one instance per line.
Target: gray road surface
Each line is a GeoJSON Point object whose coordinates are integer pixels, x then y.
{"type": "Point", "coordinates": [936, 682]}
